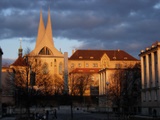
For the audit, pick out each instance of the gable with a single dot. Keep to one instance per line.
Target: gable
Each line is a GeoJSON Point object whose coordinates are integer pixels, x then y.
{"type": "Point", "coordinates": [105, 61]}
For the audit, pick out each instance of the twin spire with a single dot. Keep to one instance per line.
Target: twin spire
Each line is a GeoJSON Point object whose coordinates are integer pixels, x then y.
{"type": "Point", "coordinates": [44, 36]}
{"type": "Point", "coordinates": [44, 43]}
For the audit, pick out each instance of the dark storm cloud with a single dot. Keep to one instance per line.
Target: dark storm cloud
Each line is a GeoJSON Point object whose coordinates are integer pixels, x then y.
{"type": "Point", "coordinates": [99, 24]}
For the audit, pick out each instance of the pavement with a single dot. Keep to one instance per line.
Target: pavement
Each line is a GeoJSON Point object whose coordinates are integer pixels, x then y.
{"type": "Point", "coordinates": [65, 114]}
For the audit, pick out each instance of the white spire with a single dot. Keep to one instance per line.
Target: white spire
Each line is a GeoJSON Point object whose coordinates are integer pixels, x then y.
{"type": "Point", "coordinates": [41, 30]}
{"type": "Point", "coordinates": [45, 38]}
{"type": "Point", "coordinates": [20, 50]}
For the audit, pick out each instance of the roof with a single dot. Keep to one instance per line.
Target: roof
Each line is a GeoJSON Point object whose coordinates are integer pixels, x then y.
{"type": "Point", "coordinates": [97, 54]}
{"type": "Point", "coordinates": [86, 70]}
{"type": "Point", "coordinates": [20, 61]}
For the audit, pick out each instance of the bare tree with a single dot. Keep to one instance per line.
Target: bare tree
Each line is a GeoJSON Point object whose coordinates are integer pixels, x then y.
{"type": "Point", "coordinates": [124, 87]}
{"type": "Point", "coordinates": [114, 88]}
{"type": "Point", "coordinates": [58, 85]}
{"type": "Point", "coordinates": [80, 83]}
{"type": "Point", "coordinates": [35, 74]}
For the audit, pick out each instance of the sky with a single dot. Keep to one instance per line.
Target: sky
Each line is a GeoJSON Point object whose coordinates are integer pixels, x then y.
{"type": "Point", "coordinates": [129, 25]}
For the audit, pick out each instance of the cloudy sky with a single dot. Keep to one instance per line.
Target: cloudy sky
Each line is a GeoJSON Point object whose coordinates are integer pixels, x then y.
{"type": "Point", "coordinates": [130, 25]}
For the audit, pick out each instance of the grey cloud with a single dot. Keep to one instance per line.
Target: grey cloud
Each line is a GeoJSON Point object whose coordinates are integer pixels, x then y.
{"type": "Point", "coordinates": [99, 24]}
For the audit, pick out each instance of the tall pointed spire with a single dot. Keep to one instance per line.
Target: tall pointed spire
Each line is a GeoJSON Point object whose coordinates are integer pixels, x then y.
{"type": "Point", "coordinates": [49, 28]}
{"type": "Point", "coordinates": [45, 39]}
{"type": "Point", "coordinates": [41, 30]}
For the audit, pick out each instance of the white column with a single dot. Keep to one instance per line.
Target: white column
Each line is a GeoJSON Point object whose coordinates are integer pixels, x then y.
{"type": "Point", "coordinates": [153, 69]}
{"type": "Point", "coordinates": [158, 67]}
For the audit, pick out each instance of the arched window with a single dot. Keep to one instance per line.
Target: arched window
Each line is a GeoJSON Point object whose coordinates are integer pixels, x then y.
{"type": "Point", "coordinates": [45, 51]}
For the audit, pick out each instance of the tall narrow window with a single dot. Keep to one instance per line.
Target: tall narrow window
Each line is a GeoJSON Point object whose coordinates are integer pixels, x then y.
{"type": "Point", "coordinates": [55, 63]}
{"type": "Point", "coordinates": [60, 68]}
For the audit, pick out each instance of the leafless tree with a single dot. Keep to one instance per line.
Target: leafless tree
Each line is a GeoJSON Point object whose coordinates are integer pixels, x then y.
{"type": "Point", "coordinates": [124, 87]}
{"type": "Point", "coordinates": [80, 83]}
{"type": "Point", "coordinates": [58, 85]}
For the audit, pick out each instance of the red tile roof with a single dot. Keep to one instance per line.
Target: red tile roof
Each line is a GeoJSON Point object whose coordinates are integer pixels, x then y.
{"type": "Point", "coordinates": [20, 61]}
{"type": "Point", "coordinates": [97, 54]}
{"type": "Point", "coordinates": [86, 70]}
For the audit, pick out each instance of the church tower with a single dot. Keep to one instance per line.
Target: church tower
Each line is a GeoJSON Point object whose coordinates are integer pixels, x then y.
{"type": "Point", "coordinates": [45, 50]}
{"type": "Point", "coordinates": [44, 43]}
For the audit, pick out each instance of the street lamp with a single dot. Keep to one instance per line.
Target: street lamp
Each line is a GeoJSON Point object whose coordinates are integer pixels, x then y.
{"type": "Point", "coordinates": [107, 95]}
{"type": "Point", "coordinates": [30, 77]}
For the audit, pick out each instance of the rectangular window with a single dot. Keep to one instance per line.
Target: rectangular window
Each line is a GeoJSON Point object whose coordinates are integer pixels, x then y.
{"type": "Point", "coordinates": [118, 66]}
{"type": "Point", "coordinates": [72, 65]}
{"type": "Point", "coordinates": [95, 65]}
{"type": "Point", "coordinates": [87, 65]}
{"type": "Point", "coordinates": [79, 64]}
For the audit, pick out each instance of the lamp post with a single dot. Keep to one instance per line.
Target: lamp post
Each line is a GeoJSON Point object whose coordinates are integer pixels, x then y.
{"type": "Point", "coordinates": [30, 76]}
{"type": "Point", "coordinates": [107, 83]}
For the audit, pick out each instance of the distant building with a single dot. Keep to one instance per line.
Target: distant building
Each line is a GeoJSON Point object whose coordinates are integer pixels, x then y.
{"type": "Point", "coordinates": [150, 72]}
